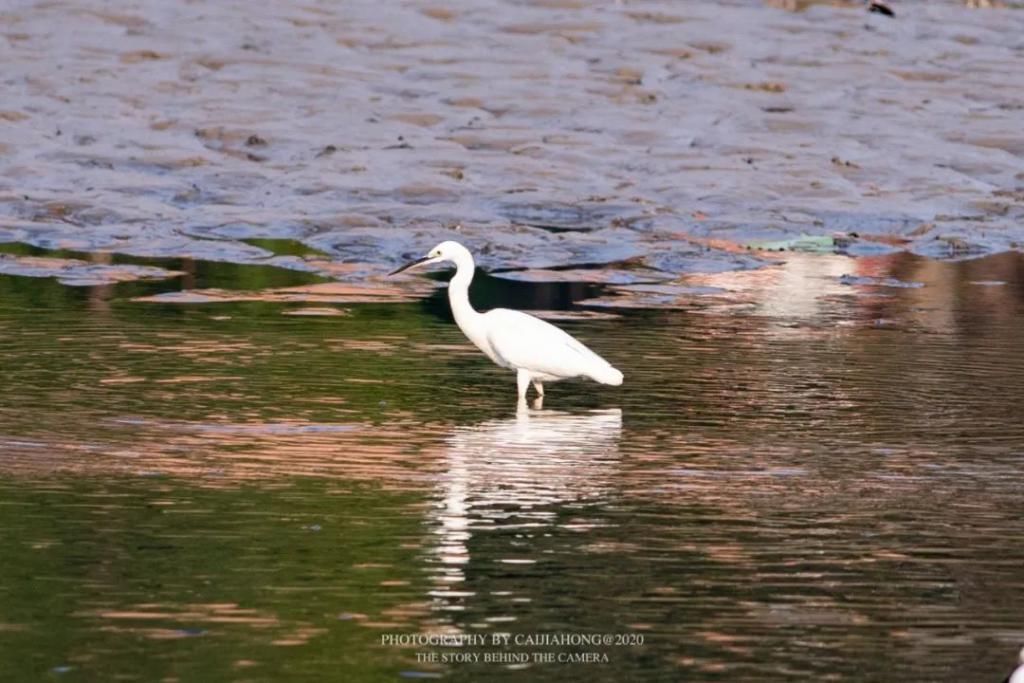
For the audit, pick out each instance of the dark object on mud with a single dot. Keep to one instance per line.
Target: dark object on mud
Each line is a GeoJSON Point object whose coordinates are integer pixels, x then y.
{"type": "Point", "coordinates": [841, 162]}
{"type": "Point", "coordinates": [255, 141]}
{"type": "Point", "coordinates": [326, 151]}
{"type": "Point", "coordinates": [881, 8]}
{"type": "Point", "coordinates": [402, 144]}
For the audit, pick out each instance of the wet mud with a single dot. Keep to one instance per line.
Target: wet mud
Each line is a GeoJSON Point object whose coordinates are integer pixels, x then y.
{"type": "Point", "coordinates": [642, 137]}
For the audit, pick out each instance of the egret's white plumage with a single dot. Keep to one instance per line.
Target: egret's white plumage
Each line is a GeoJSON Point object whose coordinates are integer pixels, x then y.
{"type": "Point", "coordinates": [1018, 674]}
{"type": "Point", "coordinates": [537, 350]}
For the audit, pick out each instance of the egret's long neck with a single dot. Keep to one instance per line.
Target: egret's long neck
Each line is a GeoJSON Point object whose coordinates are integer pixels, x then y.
{"type": "Point", "coordinates": [458, 295]}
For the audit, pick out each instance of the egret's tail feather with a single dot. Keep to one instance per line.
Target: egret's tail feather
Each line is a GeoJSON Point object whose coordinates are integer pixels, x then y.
{"type": "Point", "coordinates": [607, 375]}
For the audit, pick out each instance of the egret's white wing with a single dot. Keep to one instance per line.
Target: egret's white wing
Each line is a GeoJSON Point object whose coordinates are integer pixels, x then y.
{"type": "Point", "coordinates": [524, 341]}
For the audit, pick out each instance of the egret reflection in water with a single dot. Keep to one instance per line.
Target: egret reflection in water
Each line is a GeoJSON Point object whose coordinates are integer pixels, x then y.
{"type": "Point", "coordinates": [514, 474]}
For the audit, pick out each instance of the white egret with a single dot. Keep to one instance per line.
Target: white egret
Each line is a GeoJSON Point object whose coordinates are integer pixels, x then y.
{"type": "Point", "coordinates": [538, 351]}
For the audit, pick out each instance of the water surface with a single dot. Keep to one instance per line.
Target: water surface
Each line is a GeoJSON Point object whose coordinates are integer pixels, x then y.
{"type": "Point", "coordinates": [810, 472]}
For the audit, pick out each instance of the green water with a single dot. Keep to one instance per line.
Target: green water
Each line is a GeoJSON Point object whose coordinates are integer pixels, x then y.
{"type": "Point", "coordinates": [822, 482]}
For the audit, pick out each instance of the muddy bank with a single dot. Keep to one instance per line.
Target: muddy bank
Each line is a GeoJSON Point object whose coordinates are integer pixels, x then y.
{"type": "Point", "coordinates": [658, 138]}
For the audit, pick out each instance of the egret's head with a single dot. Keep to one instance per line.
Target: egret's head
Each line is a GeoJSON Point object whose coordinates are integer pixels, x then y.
{"type": "Point", "coordinates": [446, 251]}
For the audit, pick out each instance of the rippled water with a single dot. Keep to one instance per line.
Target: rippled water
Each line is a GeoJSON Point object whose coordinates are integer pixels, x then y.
{"type": "Point", "coordinates": [811, 472]}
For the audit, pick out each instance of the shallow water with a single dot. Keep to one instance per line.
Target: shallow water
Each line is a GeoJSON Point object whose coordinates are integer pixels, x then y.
{"type": "Point", "coordinates": [811, 472]}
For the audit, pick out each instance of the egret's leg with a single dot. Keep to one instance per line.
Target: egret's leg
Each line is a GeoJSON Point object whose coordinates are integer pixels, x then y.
{"type": "Point", "coordinates": [539, 386]}
{"type": "Point", "coordinates": [538, 403]}
{"type": "Point", "coordinates": [523, 382]}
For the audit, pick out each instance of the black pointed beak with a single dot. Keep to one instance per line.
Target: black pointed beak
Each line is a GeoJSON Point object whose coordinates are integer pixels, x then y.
{"type": "Point", "coordinates": [409, 265]}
